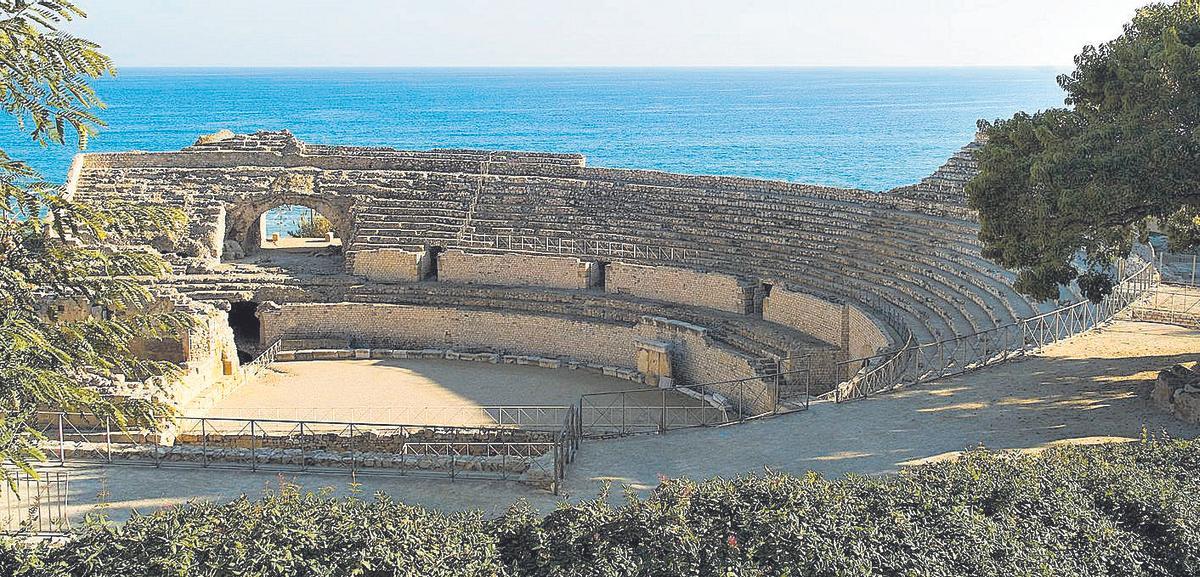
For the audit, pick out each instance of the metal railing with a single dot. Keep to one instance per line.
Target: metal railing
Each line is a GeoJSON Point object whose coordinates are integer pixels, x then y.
{"type": "Point", "coordinates": [915, 363]}
{"type": "Point", "coordinates": [1170, 304]}
{"type": "Point", "coordinates": [266, 358]}
{"type": "Point", "coordinates": [645, 410]}
{"type": "Point", "coordinates": [537, 457]}
{"type": "Point", "coordinates": [530, 417]}
{"type": "Point", "coordinates": [572, 246]}
{"type": "Point", "coordinates": [1179, 268]}
{"type": "Point", "coordinates": [34, 504]}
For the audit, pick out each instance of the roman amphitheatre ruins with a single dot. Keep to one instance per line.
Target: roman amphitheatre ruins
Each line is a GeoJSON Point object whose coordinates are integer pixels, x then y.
{"type": "Point", "coordinates": [486, 325]}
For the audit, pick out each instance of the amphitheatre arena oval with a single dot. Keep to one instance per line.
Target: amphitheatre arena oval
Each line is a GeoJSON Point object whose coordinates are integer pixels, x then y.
{"type": "Point", "coordinates": [623, 301]}
{"type": "Point", "coordinates": [540, 255]}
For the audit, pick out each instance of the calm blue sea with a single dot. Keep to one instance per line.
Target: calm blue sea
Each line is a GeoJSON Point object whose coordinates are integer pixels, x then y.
{"type": "Point", "coordinates": [865, 128]}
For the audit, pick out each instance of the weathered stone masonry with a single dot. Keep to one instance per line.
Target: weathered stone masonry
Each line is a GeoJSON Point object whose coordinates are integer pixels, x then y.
{"type": "Point", "coordinates": [838, 273]}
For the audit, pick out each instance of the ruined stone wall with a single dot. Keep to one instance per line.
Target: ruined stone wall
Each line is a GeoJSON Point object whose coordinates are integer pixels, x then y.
{"type": "Point", "coordinates": [842, 325]}
{"type": "Point", "coordinates": [392, 264]}
{"type": "Point", "coordinates": [864, 338]}
{"type": "Point", "coordinates": [899, 257]}
{"type": "Point", "coordinates": [412, 327]}
{"type": "Point", "coordinates": [805, 313]}
{"type": "Point", "coordinates": [205, 352]}
{"type": "Point", "coordinates": [211, 351]}
{"type": "Point", "coordinates": [678, 285]}
{"type": "Point", "coordinates": [515, 270]}
{"type": "Point", "coordinates": [697, 358]}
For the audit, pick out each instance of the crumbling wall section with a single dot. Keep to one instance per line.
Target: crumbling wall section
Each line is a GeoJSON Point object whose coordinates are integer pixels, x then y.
{"type": "Point", "coordinates": [392, 264]}
{"type": "Point", "coordinates": [515, 269]}
{"type": "Point", "coordinates": [416, 327]}
{"type": "Point", "coordinates": [679, 285]}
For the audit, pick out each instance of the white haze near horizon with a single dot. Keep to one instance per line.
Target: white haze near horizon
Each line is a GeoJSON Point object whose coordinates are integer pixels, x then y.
{"type": "Point", "coordinates": [267, 33]}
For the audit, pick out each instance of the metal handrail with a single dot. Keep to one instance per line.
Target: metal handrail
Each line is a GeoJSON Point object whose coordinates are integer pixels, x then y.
{"type": "Point", "coordinates": [1081, 316]}
{"type": "Point", "coordinates": [502, 415]}
{"type": "Point", "coordinates": [266, 358]}
{"type": "Point", "coordinates": [266, 444]}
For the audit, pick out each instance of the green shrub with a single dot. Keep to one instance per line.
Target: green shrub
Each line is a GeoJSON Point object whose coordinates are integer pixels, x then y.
{"type": "Point", "coordinates": [1131, 509]}
{"type": "Point", "coordinates": [314, 226]}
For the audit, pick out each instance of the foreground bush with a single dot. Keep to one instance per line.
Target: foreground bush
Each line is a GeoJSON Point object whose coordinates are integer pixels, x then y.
{"type": "Point", "coordinates": [1107, 510]}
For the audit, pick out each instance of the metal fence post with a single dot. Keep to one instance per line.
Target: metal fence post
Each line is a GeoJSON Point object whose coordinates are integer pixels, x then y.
{"type": "Point", "coordinates": [203, 442]}
{"type": "Point", "coordinates": [62, 444]}
{"type": "Point", "coordinates": [579, 420]}
{"type": "Point", "coordinates": [558, 467]}
{"type": "Point", "coordinates": [662, 415]}
{"type": "Point", "coordinates": [622, 413]}
{"type": "Point", "coordinates": [353, 455]}
{"type": "Point", "coordinates": [303, 457]}
{"type": "Point", "coordinates": [253, 455]}
{"type": "Point", "coordinates": [108, 439]}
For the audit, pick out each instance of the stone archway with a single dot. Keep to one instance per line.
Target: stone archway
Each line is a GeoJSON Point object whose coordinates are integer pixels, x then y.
{"type": "Point", "coordinates": [243, 218]}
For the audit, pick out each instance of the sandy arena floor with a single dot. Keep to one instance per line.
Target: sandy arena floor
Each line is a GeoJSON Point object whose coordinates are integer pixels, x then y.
{"type": "Point", "coordinates": [416, 392]}
{"type": "Point", "coordinates": [1092, 388]}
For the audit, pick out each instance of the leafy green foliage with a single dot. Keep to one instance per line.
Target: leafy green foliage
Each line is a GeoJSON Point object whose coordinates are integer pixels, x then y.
{"type": "Point", "coordinates": [315, 226]}
{"type": "Point", "coordinates": [56, 252]}
{"type": "Point", "coordinates": [1086, 178]}
{"type": "Point", "coordinates": [1126, 509]}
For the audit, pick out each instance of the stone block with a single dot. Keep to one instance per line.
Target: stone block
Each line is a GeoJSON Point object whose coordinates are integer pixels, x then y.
{"type": "Point", "coordinates": [1163, 395]}
{"type": "Point", "coordinates": [1187, 406]}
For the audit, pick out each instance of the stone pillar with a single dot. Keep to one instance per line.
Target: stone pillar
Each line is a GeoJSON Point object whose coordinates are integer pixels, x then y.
{"type": "Point", "coordinates": [261, 227]}
{"type": "Point", "coordinates": [654, 361]}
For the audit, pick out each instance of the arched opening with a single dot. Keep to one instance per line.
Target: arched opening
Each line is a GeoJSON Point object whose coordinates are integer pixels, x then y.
{"type": "Point", "coordinates": [286, 234]}
{"type": "Point", "coordinates": [245, 325]}
{"type": "Point", "coordinates": [296, 226]}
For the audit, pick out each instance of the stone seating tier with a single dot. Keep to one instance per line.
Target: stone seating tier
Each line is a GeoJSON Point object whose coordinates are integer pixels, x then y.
{"type": "Point", "coordinates": [908, 259]}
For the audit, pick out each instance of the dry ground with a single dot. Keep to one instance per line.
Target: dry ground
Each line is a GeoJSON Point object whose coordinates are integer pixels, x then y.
{"type": "Point", "coordinates": [1091, 388]}
{"type": "Point", "coordinates": [416, 392]}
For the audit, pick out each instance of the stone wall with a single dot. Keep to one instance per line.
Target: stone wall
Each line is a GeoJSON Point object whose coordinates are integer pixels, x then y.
{"type": "Point", "coordinates": [864, 338]}
{"type": "Point", "coordinates": [841, 325]}
{"type": "Point", "coordinates": [413, 327]}
{"type": "Point", "coordinates": [678, 285]}
{"type": "Point", "coordinates": [805, 313]}
{"type": "Point", "coordinates": [392, 264]}
{"type": "Point", "coordinates": [909, 260]}
{"type": "Point", "coordinates": [515, 270]}
{"type": "Point", "coordinates": [697, 358]}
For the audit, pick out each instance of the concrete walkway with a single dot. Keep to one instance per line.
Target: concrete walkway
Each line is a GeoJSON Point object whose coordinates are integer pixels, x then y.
{"type": "Point", "coordinates": [1092, 388]}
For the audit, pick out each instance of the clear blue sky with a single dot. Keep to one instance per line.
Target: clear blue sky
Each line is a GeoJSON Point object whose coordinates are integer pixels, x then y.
{"type": "Point", "coordinates": [601, 32]}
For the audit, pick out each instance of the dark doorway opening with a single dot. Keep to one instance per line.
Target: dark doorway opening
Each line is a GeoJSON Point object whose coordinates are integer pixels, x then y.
{"type": "Point", "coordinates": [245, 327]}
{"type": "Point", "coordinates": [432, 255]}
{"type": "Point", "coordinates": [599, 277]}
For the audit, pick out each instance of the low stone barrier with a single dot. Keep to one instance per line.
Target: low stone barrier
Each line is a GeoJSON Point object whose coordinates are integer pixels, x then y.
{"type": "Point", "coordinates": [453, 355]}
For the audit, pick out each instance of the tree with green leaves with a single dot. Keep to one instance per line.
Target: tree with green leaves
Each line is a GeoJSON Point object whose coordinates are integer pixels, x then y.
{"type": "Point", "coordinates": [1083, 180]}
{"type": "Point", "coordinates": [56, 252]}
